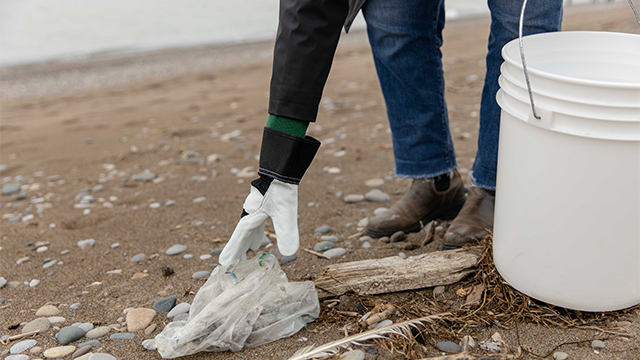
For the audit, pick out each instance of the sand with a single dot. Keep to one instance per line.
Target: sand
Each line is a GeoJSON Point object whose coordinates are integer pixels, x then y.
{"type": "Point", "coordinates": [148, 111]}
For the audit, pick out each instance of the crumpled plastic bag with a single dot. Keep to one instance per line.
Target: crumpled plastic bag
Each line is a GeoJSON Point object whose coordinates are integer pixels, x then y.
{"type": "Point", "coordinates": [244, 305]}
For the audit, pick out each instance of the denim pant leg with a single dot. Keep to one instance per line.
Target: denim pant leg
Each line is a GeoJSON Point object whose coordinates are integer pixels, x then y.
{"type": "Point", "coordinates": [405, 38]}
{"type": "Point", "coordinates": [540, 16]}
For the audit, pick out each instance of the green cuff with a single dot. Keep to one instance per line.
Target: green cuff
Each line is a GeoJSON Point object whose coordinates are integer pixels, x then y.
{"type": "Point", "coordinates": [290, 126]}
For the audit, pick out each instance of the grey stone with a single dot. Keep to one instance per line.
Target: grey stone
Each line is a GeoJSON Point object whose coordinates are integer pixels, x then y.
{"type": "Point", "coordinates": [145, 176]}
{"type": "Point", "coordinates": [365, 238]}
{"type": "Point", "coordinates": [18, 197]}
{"type": "Point", "coordinates": [374, 182]}
{"type": "Point", "coordinates": [377, 195]}
{"type": "Point", "coordinates": [379, 211]}
{"type": "Point", "coordinates": [98, 332]}
{"type": "Point", "coordinates": [49, 264]}
{"type": "Point", "coordinates": [17, 357]}
{"type": "Point", "coordinates": [165, 305]}
{"type": "Point", "coordinates": [559, 355]}
{"type": "Point", "coordinates": [88, 241]}
{"type": "Point", "coordinates": [41, 324]}
{"type": "Point", "coordinates": [332, 238]}
{"type": "Point", "coordinates": [216, 251]}
{"type": "Point", "coordinates": [438, 290]}
{"type": "Point", "coordinates": [69, 334]}
{"type": "Point", "coordinates": [179, 309]}
{"type": "Point", "coordinates": [169, 203]}
{"type": "Point", "coordinates": [200, 275]}
{"type": "Point", "coordinates": [22, 346]}
{"type": "Point", "coordinates": [324, 246]}
{"type": "Point", "coordinates": [14, 219]}
{"type": "Point", "coordinates": [2, 300]}
{"type": "Point", "coordinates": [353, 198]}
{"type": "Point", "coordinates": [199, 199]}
{"type": "Point", "coordinates": [176, 249]}
{"type": "Point", "coordinates": [321, 230]}
{"type": "Point", "coordinates": [333, 253]}
{"type": "Point", "coordinates": [397, 237]}
{"type": "Point", "coordinates": [86, 327]}
{"type": "Point", "coordinates": [122, 336]}
{"type": "Point", "coordinates": [74, 306]}
{"type": "Point", "coordinates": [138, 257]}
{"type": "Point", "coordinates": [448, 346]}
{"type": "Point", "coordinates": [101, 356]}
{"type": "Point", "coordinates": [366, 245]}
{"type": "Point", "coordinates": [9, 189]}
{"type": "Point", "coordinates": [90, 342]}
{"type": "Point", "coordinates": [353, 355]}
{"type": "Point", "coordinates": [3, 282]}
{"type": "Point", "coordinates": [181, 317]}
{"type": "Point", "coordinates": [288, 259]}
{"type": "Point", "coordinates": [598, 344]}
{"type": "Point", "coordinates": [402, 255]}
{"type": "Point", "coordinates": [81, 351]}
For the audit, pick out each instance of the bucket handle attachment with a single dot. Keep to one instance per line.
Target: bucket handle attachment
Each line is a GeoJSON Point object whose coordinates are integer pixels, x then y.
{"type": "Point", "coordinates": [524, 63]}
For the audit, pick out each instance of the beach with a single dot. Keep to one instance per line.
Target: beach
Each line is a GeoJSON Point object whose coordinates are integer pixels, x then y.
{"type": "Point", "coordinates": [77, 135]}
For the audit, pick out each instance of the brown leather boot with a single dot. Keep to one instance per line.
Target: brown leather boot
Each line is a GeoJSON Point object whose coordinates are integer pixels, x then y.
{"type": "Point", "coordinates": [474, 220]}
{"type": "Point", "coordinates": [422, 202]}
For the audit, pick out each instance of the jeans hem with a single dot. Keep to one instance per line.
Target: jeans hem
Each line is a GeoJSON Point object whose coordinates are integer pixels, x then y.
{"type": "Point", "coordinates": [422, 175]}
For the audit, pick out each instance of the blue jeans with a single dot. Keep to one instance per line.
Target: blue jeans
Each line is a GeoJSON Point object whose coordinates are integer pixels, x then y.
{"type": "Point", "coordinates": [405, 38]}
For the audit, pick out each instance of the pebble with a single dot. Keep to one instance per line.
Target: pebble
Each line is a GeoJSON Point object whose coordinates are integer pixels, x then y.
{"type": "Point", "coordinates": [598, 344]}
{"type": "Point", "coordinates": [35, 350]}
{"type": "Point", "coordinates": [200, 275]}
{"type": "Point", "coordinates": [9, 189]}
{"type": "Point", "coordinates": [122, 336]}
{"type": "Point", "coordinates": [49, 264]}
{"type": "Point", "coordinates": [216, 251]}
{"type": "Point", "coordinates": [181, 317]}
{"type": "Point", "coordinates": [85, 356]}
{"type": "Point", "coordinates": [365, 238]}
{"type": "Point", "coordinates": [324, 246]}
{"type": "Point", "coordinates": [97, 332]}
{"type": "Point", "coordinates": [379, 211]}
{"type": "Point", "coordinates": [84, 326]}
{"type": "Point", "coordinates": [64, 252]}
{"type": "Point", "coordinates": [366, 245]}
{"type": "Point", "coordinates": [179, 309]}
{"type": "Point", "coordinates": [137, 276]}
{"type": "Point", "coordinates": [138, 319]}
{"type": "Point", "coordinates": [82, 244]}
{"type": "Point", "coordinates": [364, 222]}
{"type": "Point", "coordinates": [165, 305]}
{"type": "Point", "coordinates": [28, 217]}
{"type": "Point", "coordinates": [397, 237]}
{"type": "Point", "coordinates": [74, 306]}
{"type": "Point", "coordinates": [69, 334]}
{"type": "Point", "coordinates": [145, 176]}
{"type": "Point", "coordinates": [402, 255]}
{"type": "Point", "coordinates": [17, 357]}
{"type": "Point", "coordinates": [149, 330]}
{"type": "Point", "coordinates": [333, 253]}
{"type": "Point", "coordinates": [81, 351]}
{"type": "Point", "coordinates": [138, 257]}
{"type": "Point", "coordinates": [288, 259]}
{"type": "Point", "coordinates": [169, 203]}
{"type": "Point", "coordinates": [374, 182]}
{"type": "Point", "coordinates": [90, 342]}
{"type": "Point", "coordinates": [187, 256]}
{"type": "Point", "coordinates": [3, 282]}
{"type": "Point", "coordinates": [100, 356]}
{"type": "Point", "coordinates": [154, 205]}
{"type": "Point", "coordinates": [22, 346]}
{"type": "Point", "coordinates": [2, 300]}
{"type": "Point", "coordinates": [176, 249]}
{"type": "Point", "coordinates": [199, 199]}
{"type": "Point", "coordinates": [149, 344]}
{"type": "Point", "coordinates": [41, 324]}
{"type": "Point", "coordinates": [353, 198]}
{"type": "Point", "coordinates": [559, 355]}
{"type": "Point", "coordinates": [332, 238]}
{"type": "Point", "coordinates": [353, 355]}
{"type": "Point", "coordinates": [438, 290]}
{"type": "Point", "coordinates": [382, 324]}
{"type": "Point", "coordinates": [115, 245]}
{"type": "Point", "coordinates": [377, 195]}
{"type": "Point", "coordinates": [205, 257]}
{"type": "Point", "coordinates": [47, 310]}
{"type": "Point", "coordinates": [60, 351]}
{"type": "Point", "coordinates": [448, 346]}
{"type": "Point", "coordinates": [321, 230]}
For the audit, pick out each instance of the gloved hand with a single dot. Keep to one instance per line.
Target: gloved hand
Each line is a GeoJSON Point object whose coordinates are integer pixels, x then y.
{"type": "Point", "coordinates": [284, 159]}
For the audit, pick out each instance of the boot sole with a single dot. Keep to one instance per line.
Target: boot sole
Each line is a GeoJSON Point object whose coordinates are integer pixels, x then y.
{"type": "Point", "coordinates": [446, 212]}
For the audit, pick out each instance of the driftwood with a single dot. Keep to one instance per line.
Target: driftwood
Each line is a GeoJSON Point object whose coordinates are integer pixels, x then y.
{"type": "Point", "coordinates": [392, 274]}
{"type": "Point", "coordinates": [20, 336]}
{"type": "Point", "coordinates": [476, 357]}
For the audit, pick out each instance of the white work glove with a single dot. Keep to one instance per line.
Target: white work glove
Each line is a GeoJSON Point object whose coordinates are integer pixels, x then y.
{"type": "Point", "coordinates": [284, 159]}
{"type": "Point", "coordinates": [280, 203]}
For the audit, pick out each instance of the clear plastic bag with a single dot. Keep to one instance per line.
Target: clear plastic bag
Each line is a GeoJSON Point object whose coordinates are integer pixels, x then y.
{"type": "Point", "coordinates": [246, 305]}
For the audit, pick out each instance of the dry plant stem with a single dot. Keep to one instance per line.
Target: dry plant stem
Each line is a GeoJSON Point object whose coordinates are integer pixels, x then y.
{"type": "Point", "coordinates": [376, 318]}
{"type": "Point", "coordinates": [317, 254]}
{"type": "Point", "coordinates": [16, 337]}
{"type": "Point", "coordinates": [475, 357]}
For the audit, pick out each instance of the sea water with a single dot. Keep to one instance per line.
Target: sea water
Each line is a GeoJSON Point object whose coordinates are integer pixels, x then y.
{"type": "Point", "coordinates": [40, 30]}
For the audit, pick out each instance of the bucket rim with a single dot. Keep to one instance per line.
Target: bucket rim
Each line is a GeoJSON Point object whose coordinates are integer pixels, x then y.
{"type": "Point", "coordinates": [573, 80]}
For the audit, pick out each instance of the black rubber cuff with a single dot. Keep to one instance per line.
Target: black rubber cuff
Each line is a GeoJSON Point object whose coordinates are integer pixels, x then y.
{"type": "Point", "coordinates": [286, 157]}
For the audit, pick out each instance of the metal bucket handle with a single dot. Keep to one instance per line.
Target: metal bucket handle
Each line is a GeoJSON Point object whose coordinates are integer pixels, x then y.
{"type": "Point", "coordinates": [524, 63]}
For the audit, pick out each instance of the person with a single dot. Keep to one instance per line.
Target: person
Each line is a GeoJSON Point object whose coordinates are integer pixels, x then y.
{"type": "Point", "coordinates": [405, 38]}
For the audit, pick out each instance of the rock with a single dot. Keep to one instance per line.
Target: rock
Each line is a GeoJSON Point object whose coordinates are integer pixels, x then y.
{"type": "Point", "coordinates": [115, 245]}
{"type": "Point", "coordinates": [333, 253]}
{"type": "Point", "coordinates": [145, 176]}
{"type": "Point", "coordinates": [200, 275]}
{"type": "Point", "coordinates": [81, 351]}
{"type": "Point", "coordinates": [90, 342]}
{"type": "Point", "coordinates": [122, 336]}
{"type": "Point", "coordinates": [374, 182]}
{"type": "Point", "coordinates": [559, 355]}
{"type": "Point", "coordinates": [100, 356]}
{"type": "Point", "coordinates": [199, 199]}
{"type": "Point", "coordinates": [397, 237]}
{"type": "Point", "coordinates": [181, 317]}
{"type": "Point", "coordinates": [41, 324]}
{"type": "Point", "coordinates": [149, 330]}
{"type": "Point", "coordinates": [353, 198]}
{"type": "Point", "coordinates": [74, 306]}
{"type": "Point", "coordinates": [288, 259]}
{"type": "Point", "coordinates": [138, 257]}
{"type": "Point", "coordinates": [402, 255]}
{"type": "Point", "coordinates": [9, 189]}
{"type": "Point", "coordinates": [56, 319]}
{"type": "Point", "coordinates": [215, 252]}
{"type": "Point", "coordinates": [34, 283]}
{"type": "Point", "coordinates": [176, 249]}
{"type": "Point", "coordinates": [138, 319]}
{"type": "Point", "coordinates": [137, 276]}
{"type": "Point", "coordinates": [331, 238]}
{"type": "Point", "coordinates": [448, 346]}
{"type": "Point", "coordinates": [352, 355]}
{"type": "Point", "coordinates": [48, 264]}
{"type": "Point", "coordinates": [379, 211]}
{"type": "Point", "coordinates": [165, 305]}
{"type": "Point", "coordinates": [382, 324]}
{"type": "Point", "coordinates": [3, 282]}
{"type": "Point", "coordinates": [179, 309]}
{"type": "Point", "coordinates": [366, 245]}
{"type": "Point", "coordinates": [365, 238]}
{"type": "Point", "coordinates": [22, 346]}
{"type": "Point", "coordinates": [205, 257]}
{"type": "Point", "coordinates": [154, 205]}
{"type": "Point", "coordinates": [324, 246]}
{"type": "Point", "coordinates": [598, 344]}
{"type": "Point", "coordinates": [85, 326]}
{"type": "Point", "coordinates": [321, 230]}
{"type": "Point", "coordinates": [2, 300]}
{"type": "Point", "coordinates": [60, 351]}
{"type": "Point", "coordinates": [35, 350]}
{"type": "Point", "coordinates": [371, 350]}
{"type": "Point", "coordinates": [169, 203]}
{"type": "Point", "coordinates": [377, 195]}
{"type": "Point", "coordinates": [85, 356]}
{"type": "Point", "coordinates": [149, 344]}
{"type": "Point", "coordinates": [17, 357]}
{"type": "Point", "coordinates": [47, 310]}
{"type": "Point", "coordinates": [69, 334]}
{"type": "Point", "coordinates": [86, 244]}
{"type": "Point", "coordinates": [98, 332]}
{"type": "Point", "coordinates": [438, 290]}
{"type": "Point", "coordinates": [364, 222]}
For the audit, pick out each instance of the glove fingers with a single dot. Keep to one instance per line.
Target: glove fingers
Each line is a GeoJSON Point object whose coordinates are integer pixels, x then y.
{"type": "Point", "coordinates": [256, 237]}
{"type": "Point", "coordinates": [241, 240]}
{"type": "Point", "coordinates": [285, 223]}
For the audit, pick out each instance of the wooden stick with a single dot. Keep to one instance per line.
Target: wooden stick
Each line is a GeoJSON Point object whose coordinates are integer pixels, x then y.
{"type": "Point", "coordinates": [376, 318]}
{"type": "Point", "coordinates": [317, 254]}
{"type": "Point", "coordinates": [16, 337]}
{"type": "Point", "coordinates": [464, 356]}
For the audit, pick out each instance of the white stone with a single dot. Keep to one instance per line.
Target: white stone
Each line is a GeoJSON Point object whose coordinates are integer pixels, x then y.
{"type": "Point", "coordinates": [179, 309]}
{"type": "Point", "coordinates": [22, 346]}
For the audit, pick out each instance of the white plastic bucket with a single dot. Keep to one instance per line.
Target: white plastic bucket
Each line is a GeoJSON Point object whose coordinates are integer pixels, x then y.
{"type": "Point", "coordinates": [567, 213]}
